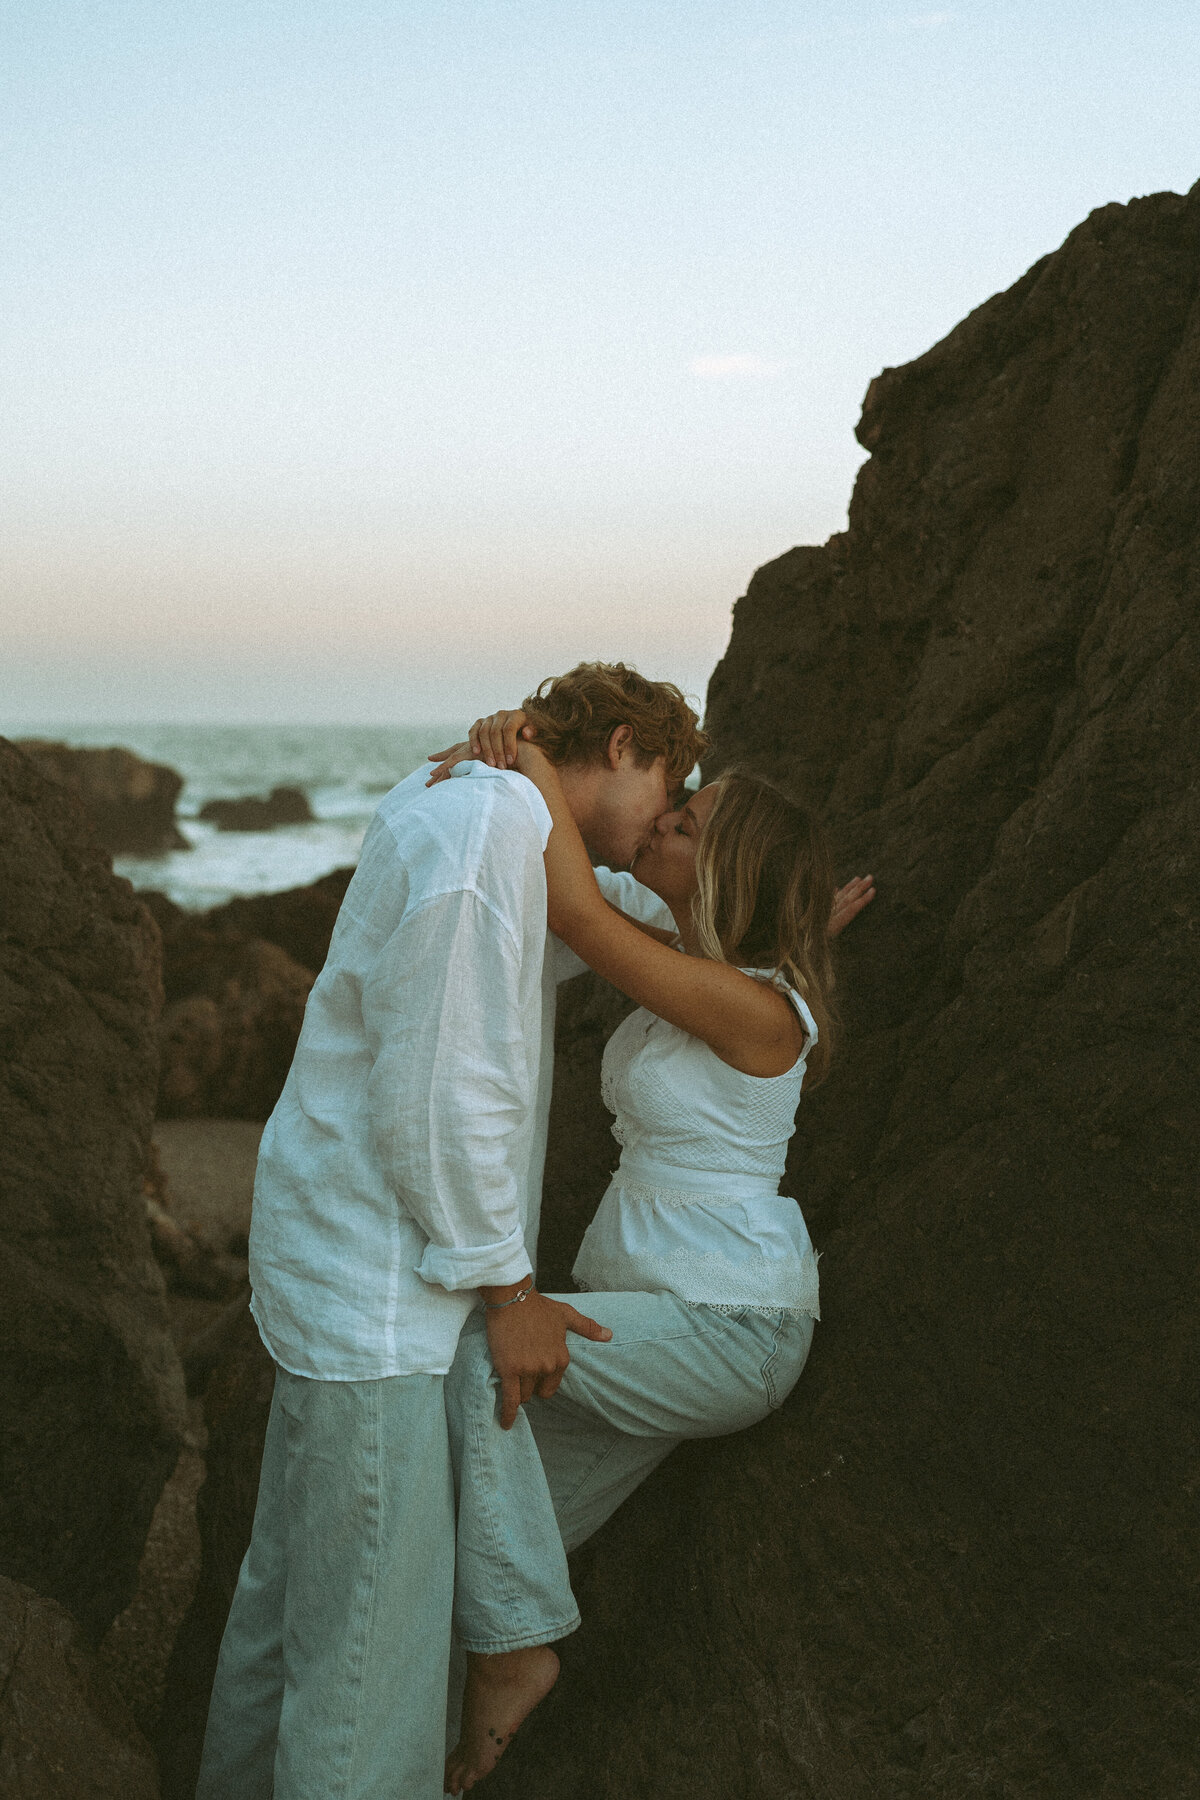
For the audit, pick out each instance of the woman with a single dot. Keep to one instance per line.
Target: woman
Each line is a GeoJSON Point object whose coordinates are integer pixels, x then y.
{"type": "Point", "coordinates": [701, 1271]}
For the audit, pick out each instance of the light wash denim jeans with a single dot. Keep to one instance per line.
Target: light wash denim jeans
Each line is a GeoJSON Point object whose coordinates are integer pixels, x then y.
{"type": "Point", "coordinates": [528, 1495]}
{"type": "Point", "coordinates": [331, 1683]}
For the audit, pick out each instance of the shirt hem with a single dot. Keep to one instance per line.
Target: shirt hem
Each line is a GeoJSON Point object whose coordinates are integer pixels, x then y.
{"type": "Point", "coordinates": [436, 1366]}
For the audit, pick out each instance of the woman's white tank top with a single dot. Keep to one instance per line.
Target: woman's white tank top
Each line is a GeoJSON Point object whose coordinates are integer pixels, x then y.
{"type": "Point", "coordinates": [694, 1208]}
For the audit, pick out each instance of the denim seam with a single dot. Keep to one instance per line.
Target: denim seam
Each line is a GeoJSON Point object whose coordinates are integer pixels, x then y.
{"type": "Point", "coordinates": [363, 1638]}
{"type": "Point", "coordinates": [664, 1337]}
{"type": "Point", "coordinates": [701, 1328]}
{"type": "Point", "coordinates": [484, 1487]}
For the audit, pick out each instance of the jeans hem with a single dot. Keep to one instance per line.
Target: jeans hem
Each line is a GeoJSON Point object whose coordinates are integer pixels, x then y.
{"type": "Point", "coordinates": [530, 1640]}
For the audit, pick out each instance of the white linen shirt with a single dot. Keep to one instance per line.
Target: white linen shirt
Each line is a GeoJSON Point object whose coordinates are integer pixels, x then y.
{"type": "Point", "coordinates": [402, 1166]}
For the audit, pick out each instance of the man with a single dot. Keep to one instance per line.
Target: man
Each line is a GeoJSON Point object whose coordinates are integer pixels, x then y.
{"type": "Point", "coordinates": [399, 1185]}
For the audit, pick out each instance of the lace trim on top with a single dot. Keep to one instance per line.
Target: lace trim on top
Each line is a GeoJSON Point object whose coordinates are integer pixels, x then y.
{"type": "Point", "coordinates": [637, 1190]}
{"type": "Point", "coordinates": [734, 1312]}
{"type": "Point", "coordinates": [730, 1312]}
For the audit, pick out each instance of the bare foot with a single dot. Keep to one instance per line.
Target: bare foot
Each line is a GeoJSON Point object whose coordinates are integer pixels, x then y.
{"type": "Point", "coordinates": [501, 1691]}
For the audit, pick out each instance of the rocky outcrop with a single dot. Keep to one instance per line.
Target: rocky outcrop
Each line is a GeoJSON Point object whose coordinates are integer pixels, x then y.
{"type": "Point", "coordinates": [130, 802]}
{"type": "Point", "coordinates": [237, 979]}
{"type": "Point", "coordinates": [960, 1560]}
{"type": "Point", "coordinates": [300, 921]}
{"type": "Point", "coordinates": [64, 1732]}
{"type": "Point", "coordinates": [227, 1048]}
{"type": "Point", "coordinates": [283, 806]}
{"type": "Point", "coordinates": [91, 1393]}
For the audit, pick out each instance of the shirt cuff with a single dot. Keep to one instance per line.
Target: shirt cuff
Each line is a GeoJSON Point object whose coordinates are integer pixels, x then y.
{"type": "Point", "coordinates": [476, 1265]}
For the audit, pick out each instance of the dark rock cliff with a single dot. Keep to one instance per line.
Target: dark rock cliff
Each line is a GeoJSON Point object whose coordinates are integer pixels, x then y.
{"type": "Point", "coordinates": [963, 1557]}
{"type": "Point", "coordinates": [91, 1392]}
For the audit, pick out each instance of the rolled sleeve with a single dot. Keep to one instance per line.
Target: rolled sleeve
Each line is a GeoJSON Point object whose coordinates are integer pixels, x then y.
{"type": "Point", "coordinates": [451, 1088]}
{"type": "Point", "coordinates": [477, 1265]}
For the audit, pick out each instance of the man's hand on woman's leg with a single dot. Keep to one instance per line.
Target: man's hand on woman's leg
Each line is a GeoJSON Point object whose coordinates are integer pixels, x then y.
{"type": "Point", "coordinates": [528, 1342]}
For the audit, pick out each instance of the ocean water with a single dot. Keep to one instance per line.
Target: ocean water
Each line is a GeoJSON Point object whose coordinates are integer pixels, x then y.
{"type": "Point", "coordinates": [343, 769]}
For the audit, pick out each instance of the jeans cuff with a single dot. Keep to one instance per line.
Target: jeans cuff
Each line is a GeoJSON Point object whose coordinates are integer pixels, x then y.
{"type": "Point", "coordinates": [529, 1640]}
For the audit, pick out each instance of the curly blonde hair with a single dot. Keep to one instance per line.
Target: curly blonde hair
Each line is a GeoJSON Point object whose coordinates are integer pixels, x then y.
{"type": "Point", "coordinates": [578, 712]}
{"type": "Point", "coordinates": [764, 894]}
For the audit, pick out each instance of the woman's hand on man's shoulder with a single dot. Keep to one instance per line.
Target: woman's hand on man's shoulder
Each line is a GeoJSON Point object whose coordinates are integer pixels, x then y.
{"type": "Point", "coordinates": [493, 739]}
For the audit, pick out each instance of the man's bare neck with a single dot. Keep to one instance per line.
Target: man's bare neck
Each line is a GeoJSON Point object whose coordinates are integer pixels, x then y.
{"type": "Point", "coordinates": [579, 791]}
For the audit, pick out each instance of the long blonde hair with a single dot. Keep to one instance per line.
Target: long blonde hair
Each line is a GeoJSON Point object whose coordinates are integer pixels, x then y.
{"type": "Point", "coordinates": [764, 893]}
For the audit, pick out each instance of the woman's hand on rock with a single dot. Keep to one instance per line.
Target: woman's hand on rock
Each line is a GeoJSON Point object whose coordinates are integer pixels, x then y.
{"type": "Point", "coordinates": [849, 901]}
{"type": "Point", "coordinates": [491, 740]}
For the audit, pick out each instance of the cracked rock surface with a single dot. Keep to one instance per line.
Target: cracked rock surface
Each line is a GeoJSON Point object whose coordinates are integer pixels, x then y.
{"type": "Point", "coordinates": [64, 1734]}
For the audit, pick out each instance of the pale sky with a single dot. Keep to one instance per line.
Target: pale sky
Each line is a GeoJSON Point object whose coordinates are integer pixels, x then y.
{"type": "Point", "coordinates": [369, 361]}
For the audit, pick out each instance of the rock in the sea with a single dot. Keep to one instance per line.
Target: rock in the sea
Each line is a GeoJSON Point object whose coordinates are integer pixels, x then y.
{"type": "Point", "coordinates": [963, 1558]}
{"type": "Point", "coordinates": [283, 806]}
{"type": "Point", "coordinates": [64, 1732]}
{"type": "Point", "coordinates": [91, 1392]}
{"type": "Point", "coordinates": [130, 802]}
{"type": "Point", "coordinates": [300, 920]}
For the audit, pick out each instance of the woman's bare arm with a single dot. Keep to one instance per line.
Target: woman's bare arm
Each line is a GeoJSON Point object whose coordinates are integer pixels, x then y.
{"type": "Point", "coordinates": [658, 932]}
{"type": "Point", "coordinates": [748, 1023]}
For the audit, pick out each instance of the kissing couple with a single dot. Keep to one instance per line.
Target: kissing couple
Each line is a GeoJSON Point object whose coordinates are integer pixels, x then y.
{"type": "Point", "coordinates": [441, 1432]}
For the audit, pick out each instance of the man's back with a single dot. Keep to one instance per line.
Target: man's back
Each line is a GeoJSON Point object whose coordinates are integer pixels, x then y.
{"type": "Point", "coordinates": [409, 1133]}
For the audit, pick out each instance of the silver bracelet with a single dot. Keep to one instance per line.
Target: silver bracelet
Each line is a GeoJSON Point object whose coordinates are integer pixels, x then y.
{"type": "Point", "coordinates": [499, 1305]}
